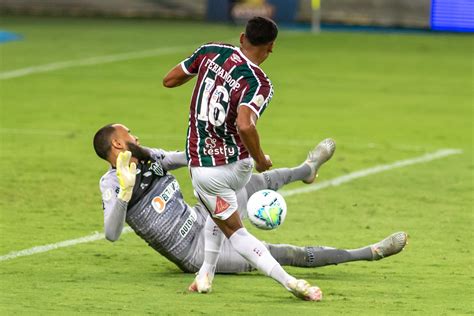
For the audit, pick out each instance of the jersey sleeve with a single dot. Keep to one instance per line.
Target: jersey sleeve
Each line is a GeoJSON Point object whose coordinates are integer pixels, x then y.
{"type": "Point", "coordinates": [114, 209]}
{"type": "Point", "coordinates": [257, 94]}
{"type": "Point", "coordinates": [170, 160]}
{"type": "Point", "coordinates": [191, 64]}
{"type": "Point", "coordinates": [109, 187]}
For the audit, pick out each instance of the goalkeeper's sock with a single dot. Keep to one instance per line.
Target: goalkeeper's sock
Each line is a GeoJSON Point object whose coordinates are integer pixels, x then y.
{"type": "Point", "coordinates": [258, 255]}
{"type": "Point", "coordinates": [275, 179]}
{"type": "Point", "coordinates": [213, 239]}
{"type": "Point", "coordinates": [317, 256]}
{"type": "Point", "coordinates": [322, 256]}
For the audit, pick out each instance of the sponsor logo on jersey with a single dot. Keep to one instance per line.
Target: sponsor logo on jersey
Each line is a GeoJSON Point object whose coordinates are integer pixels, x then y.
{"type": "Point", "coordinates": [147, 174]}
{"type": "Point", "coordinates": [220, 72]}
{"type": "Point", "coordinates": [188, 223]}
{"type": "Point", "coordinates": [236, 58]}
{"type": "Point", "coordinates": [211, 149]}
{"type": "Point", "coordinates": [221, 205]}
{"type": "Point", "coordinates": [159, 202]}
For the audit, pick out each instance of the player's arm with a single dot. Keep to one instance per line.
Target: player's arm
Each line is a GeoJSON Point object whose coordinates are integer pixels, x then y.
{"type": "Point", "coordinates": [246, 125]}
{"type": "Point", "coordinates": [174, 160]}
{"type": "Point", "coordinates": [184, 71]}
{"type": "Point", "coordinates": [115, 209]}
{"type": "Point", "coordinates": [115, 202]}
{"type": "Point", "coordinates": [170, 160]}
{"type": "Point", "coordinates": [176, 77]}
{"type": "Point", "coordinates": [114, 219]}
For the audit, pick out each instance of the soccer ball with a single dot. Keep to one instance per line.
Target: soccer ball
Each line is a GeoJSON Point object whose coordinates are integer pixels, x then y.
{"type": "Point", "coordinates": [266, 209]}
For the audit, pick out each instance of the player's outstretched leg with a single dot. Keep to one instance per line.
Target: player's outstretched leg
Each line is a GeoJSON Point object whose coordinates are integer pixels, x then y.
{"type": "Point", "coordinates": [306, 172]}
{"type": "Point", "coordinates": [320, 256]}
{"type": "Point", "coordinates": [318, 156]}
{"type": "Point", "coordinates": [391, 245]}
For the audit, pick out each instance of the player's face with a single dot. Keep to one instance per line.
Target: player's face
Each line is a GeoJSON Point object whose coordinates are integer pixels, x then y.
{"type": "Point", "coordinates": [130, 142]}
{"type": "Point", "coordinates": [268, 51]}
{"type": "Point", "coordinates": [124, 136]}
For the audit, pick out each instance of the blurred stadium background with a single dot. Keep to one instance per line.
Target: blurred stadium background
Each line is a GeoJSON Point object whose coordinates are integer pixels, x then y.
{"type": "Point", "coordinates": [390, 80]}
{"type": "Point", "coordinates": [441, 15]}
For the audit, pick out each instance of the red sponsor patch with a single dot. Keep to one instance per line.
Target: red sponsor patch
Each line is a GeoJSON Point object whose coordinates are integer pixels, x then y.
{"type": "Point", "coordinates": [221, 205]}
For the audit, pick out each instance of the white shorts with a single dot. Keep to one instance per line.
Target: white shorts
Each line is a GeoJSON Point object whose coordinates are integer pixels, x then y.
{"type": "Point", "coordinates": [216, 187]}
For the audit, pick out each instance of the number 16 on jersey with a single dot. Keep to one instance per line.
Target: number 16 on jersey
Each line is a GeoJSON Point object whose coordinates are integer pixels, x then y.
{"type": "Point", "coordinates": [212, 106]}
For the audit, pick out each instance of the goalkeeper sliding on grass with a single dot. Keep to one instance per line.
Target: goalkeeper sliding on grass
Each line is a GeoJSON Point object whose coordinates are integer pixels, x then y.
{"type": "Point", "coordinates": [138, 189]}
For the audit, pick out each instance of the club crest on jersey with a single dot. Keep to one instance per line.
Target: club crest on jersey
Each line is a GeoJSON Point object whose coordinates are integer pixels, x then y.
{"type": "Point", "coordinates": [157, 168]}
{"type": "Point", "coordinates": [159, 202]}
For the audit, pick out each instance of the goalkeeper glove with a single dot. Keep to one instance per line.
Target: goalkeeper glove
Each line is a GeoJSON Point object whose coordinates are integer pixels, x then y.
{"type": "Point", "coordinates": [126, 173]}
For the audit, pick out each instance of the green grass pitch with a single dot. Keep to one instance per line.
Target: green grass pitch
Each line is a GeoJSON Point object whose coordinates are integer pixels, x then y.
{"type": "Point", "coordinates": [383, 97]}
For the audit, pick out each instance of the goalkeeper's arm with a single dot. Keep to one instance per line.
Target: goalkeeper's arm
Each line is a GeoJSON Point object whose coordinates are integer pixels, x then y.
{"type": "Point", "coordinates": [116, 209]}
{"type": "Point", "coordinates": [114, 219]}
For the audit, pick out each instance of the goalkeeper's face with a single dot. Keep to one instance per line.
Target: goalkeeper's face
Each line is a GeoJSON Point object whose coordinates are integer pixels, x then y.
{"type": "Point", "coordinates": [124, 136]}
{"type": "Point", "coordinates": [130, 142]}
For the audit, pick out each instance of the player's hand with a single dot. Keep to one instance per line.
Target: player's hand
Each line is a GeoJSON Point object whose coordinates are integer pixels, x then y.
{"type": "Point", "coordinates": [263, 165]}
{"type": "Point", "coordinates": [126, 173]}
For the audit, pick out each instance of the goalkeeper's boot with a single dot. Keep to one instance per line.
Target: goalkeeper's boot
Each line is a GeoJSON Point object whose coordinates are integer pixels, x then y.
{"type": "Point", "coordinates": [303, 290]}
{"type": "Point", "coordinates": [390, 246]}
{"type": "Point", "coordinates": [201, 284]}
{"type": "Point", "coordinates": [318, 156]}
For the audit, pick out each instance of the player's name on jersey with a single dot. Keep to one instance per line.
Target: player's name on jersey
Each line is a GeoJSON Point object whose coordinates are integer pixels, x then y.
{"type": "Point", "coordinates": [220, 72]}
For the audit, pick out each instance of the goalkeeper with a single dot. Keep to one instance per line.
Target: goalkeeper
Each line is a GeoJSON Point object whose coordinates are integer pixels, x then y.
{"type": "Point", "coordinates": [138, 189]}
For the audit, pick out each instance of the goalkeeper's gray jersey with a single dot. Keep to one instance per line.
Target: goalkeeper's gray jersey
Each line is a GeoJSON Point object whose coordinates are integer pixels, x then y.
{"type": "Point", "coordinates": [157, 211]}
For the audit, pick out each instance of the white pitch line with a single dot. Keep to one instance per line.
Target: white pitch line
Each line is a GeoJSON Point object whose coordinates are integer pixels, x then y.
{"type": "Point", "coordinates": [366, 172]}
{"type": "Point", "coordinates": [89, 61]}
{"type": "Point", "coordinates": [72, 242]}
{"type": "Point", "coordinates": [442, 153]}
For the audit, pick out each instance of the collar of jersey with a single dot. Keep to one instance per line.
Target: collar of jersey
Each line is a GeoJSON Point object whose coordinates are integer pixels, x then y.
{"type": "Point", "coordinates": [245, 57]}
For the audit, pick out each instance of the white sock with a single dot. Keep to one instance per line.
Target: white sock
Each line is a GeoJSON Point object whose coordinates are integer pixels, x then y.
{"type": "Point", "coordinates": [213, 239]}
{"type": "Point", "coordinates": [258, 255]}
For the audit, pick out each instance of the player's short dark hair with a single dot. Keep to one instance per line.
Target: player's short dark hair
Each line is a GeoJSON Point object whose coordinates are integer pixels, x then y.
{"type": "Point", "coordinates": [261, 31]}
{"type": "Point", "coordinates": [102, 141]}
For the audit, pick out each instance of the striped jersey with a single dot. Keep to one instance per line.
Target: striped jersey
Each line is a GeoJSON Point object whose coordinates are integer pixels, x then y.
{"type": "Point", "coordinates": [226, 79]}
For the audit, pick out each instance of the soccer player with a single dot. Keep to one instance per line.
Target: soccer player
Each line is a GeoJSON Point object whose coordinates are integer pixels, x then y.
{"type": "Point", "coordinates": [230, 94]}
{"type": "Point", "coordinates": [138, 189]}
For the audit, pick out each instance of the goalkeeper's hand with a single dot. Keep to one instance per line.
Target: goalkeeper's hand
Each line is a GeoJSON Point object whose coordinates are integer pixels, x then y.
{"type": "Point", "coordinates": [126, 173]}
